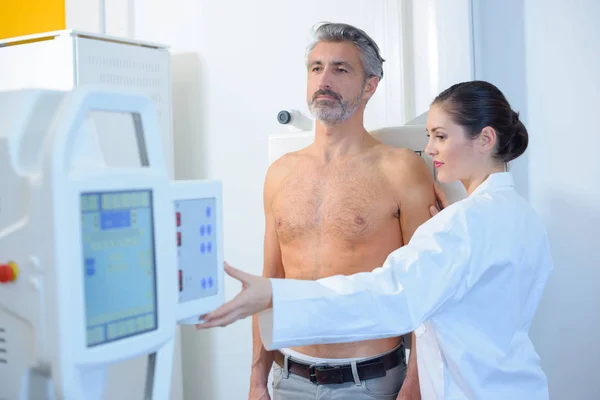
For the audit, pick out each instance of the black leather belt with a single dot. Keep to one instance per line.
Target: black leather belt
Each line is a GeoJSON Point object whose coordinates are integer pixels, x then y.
{"type": "Point", "coordinates": [331, 374]}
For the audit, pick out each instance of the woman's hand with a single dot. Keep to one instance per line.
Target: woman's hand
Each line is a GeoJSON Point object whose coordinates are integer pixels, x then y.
{"type": "Point", "coordinates": [442, 200]}
{"type": "Point", "coordinates": [255, 297]}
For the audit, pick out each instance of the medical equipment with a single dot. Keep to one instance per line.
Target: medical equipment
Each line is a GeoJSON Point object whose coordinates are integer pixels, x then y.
{"type": "Point", "coordinates": [198, 217]}
{"type": "Point", "coordinates": [65, 59]}
{"type": "Point", "coordinates": [88, 273]}
{"type": "Point", "coordinates": [295, 120]}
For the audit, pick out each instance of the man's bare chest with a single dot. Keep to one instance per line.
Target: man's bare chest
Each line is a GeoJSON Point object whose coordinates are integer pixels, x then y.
{"type": "Point", "coordinates": [349, 205]}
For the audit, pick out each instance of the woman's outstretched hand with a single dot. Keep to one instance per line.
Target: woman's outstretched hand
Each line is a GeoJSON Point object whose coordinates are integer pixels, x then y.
{"type": "Point", "coordinates": [255, 297]}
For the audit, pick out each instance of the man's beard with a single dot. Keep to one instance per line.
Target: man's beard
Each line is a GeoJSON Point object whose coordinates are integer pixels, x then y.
{"type": "Point", "coordinates": [330, 111]}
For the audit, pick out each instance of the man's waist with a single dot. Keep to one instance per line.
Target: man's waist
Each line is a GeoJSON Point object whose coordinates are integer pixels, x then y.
{"type": "Point", "coordinates": [334, 261]}
{"type": "Point", "coordinates": [339, 353]}
{"type": "Point", "coordinates": [331, 371]}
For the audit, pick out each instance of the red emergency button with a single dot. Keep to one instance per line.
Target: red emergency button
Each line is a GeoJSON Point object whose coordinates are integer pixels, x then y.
{"type": "Point", "coordinates": [8, 272]}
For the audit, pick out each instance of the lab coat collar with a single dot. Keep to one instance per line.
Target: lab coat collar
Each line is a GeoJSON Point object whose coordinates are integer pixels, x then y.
{"type": "Point", "coordinates": [496, 181]}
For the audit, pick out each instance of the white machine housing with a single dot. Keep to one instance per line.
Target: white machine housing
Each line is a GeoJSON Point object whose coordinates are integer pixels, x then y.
{"type": "Point", "coordinates": [43, 312]}
{"type": "Point", "coordinates": [199, 225]}
{"type": "Point", "coordinates": [63, 60]}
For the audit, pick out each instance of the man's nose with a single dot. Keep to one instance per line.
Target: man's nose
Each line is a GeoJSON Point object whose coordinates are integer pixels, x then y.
{"type": "Point", "coordinates": [325, 82]}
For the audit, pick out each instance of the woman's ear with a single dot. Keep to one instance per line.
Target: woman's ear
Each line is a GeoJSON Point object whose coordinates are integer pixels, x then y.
{"type": "Point", "coordinates": [487, 139]}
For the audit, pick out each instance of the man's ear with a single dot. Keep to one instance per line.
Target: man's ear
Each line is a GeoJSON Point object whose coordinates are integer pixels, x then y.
{"type": "Point", "coordinates": [487, 140]}
{"type": "Point", "coordinates": [370, 87]}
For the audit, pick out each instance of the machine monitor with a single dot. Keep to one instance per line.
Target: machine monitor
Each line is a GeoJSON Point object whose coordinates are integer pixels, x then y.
{"type": "Point", "coordinates": [119, 265]}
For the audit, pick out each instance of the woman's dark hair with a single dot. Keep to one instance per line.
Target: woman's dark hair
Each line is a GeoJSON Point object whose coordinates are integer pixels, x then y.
{"type": "Point", "coordinates": [477, 104]}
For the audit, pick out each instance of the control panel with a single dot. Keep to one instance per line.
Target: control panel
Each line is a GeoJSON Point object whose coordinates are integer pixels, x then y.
{"type": "Point", "coordinates": [196, 248]}
{"type": "Point", "coordinates": [198, 219]}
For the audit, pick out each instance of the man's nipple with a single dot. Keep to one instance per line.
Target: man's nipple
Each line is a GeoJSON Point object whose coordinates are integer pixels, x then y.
{"type": "Point", "coordinates": [359, 220]}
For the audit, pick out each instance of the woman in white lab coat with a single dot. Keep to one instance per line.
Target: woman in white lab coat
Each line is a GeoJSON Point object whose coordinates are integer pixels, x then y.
{"type": "Point", "coordinates": [468, 283]}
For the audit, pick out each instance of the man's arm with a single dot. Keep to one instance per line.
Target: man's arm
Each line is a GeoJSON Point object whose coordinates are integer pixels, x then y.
{"type": "Point", "coordinates": [262, 360]}
{"type": "Point", "coordinates": [411, 389]}
{"type": "Point", "coordinates": [415, 190]}
{"type": "Point", "coordinates": [416, 194]}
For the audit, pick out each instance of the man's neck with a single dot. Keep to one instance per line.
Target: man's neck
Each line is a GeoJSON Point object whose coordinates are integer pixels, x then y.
{"type": "Point", "coordinates": [343, 139]}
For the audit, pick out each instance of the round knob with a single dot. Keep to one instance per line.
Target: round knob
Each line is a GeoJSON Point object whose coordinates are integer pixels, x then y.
{"type": "Point", "coordinates": [284, 117]}
{"type": "Point", "coordinates": [8, 272]}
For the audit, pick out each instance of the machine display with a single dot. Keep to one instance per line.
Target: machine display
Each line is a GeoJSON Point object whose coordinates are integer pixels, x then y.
{"type": "Point", "coordinates": [119, 265]}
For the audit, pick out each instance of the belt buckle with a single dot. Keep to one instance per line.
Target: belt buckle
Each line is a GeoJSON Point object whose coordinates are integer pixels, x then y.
{"type": "Point", "coordinates": [331, 375]}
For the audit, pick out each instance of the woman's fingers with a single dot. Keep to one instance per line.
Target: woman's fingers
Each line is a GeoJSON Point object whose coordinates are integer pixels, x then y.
{"type": "Point", "coordinates": [226, 309]}
{"type": "Point", "coordinates": [433, 211]}
{"type": "Point", "coordinates": [221, 320]}
{"type": "Point", "coordinates": [440, 195]}
{"type": "Point", "coordinates": [237, 274]}
{"type": "Point", "coordinates": [254, 297]}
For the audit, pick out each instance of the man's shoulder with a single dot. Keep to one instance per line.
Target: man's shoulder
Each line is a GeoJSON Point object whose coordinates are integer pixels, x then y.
{"type": "Point", "coordinates": [284, 165]}
{"type": "Point", "coordinates": [399, 154]}
{"type": "Point", "coordinates": [287, 161]}
{"type": "Point", "coordinates": [402, 162]}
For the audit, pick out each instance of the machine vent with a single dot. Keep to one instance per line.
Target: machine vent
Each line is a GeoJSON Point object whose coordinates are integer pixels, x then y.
{"type": "Point", "coordinates": [3, 347]}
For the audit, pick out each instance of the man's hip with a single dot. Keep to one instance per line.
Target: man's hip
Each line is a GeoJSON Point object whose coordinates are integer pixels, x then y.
{"type": "Point", "coordinates": [378, 377]}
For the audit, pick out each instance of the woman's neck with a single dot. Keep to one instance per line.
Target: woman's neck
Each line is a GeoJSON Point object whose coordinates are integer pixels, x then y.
{"type": "Point", "coordinates": [473, 182]}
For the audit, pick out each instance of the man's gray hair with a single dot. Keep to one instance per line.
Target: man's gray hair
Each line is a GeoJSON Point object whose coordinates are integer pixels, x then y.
{"type": "Point", "coordinates": [372, 62]}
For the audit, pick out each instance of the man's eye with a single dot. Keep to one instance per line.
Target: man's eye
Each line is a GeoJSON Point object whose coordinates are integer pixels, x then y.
{"type": "Point", "coordinates": [342, 70]}
{"type": "Point", "coordinates": [316, 69]}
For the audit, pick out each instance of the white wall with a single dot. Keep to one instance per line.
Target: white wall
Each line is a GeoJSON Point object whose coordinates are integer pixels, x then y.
{"type": "Point", "coordinates": [499, 48]}
{"type": "Point", "coordinates": [563, 91]}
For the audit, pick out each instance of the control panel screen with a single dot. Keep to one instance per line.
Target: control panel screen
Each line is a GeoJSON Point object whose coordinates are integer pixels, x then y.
{"type": "Point", "coordinates": [197, 248]}
{"type": "Point", "coordinates": [119, 266]}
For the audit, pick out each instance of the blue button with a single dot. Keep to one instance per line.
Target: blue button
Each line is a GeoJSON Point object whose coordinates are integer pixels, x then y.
{"type": "Point", "coordinates": [208, 212]}
{"type": "Point", "coordinates": [202, 248]}
{"type": "Point", "coordinates": [210, 281]}
{"type": "Point", "coordinates": [203, 283]}
{"type": "Point", "coordinates": [201, 230]}
{"type": "Point", "coordinates": [208, 229]}
{"type": "Point", "coordinates": [208, 247]}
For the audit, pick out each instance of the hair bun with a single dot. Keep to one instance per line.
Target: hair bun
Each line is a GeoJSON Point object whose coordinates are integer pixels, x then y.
{"type": "Point", "coordinates": [515, 117]}
{"type": "Point", "coordinates": [518, 128]}
{"type": "Point", "coordinates": [517, 141]}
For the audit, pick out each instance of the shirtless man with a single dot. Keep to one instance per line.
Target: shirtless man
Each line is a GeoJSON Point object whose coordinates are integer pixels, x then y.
{"type": "Point", "coordinates": [343, 203]}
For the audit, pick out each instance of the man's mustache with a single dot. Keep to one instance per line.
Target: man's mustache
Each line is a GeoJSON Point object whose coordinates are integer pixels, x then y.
{"type": "Point", "coordinates": [326, 92]}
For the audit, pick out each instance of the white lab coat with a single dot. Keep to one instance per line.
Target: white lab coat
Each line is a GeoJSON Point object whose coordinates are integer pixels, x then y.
{"type": "Point", "coordinates": [468, 284]}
